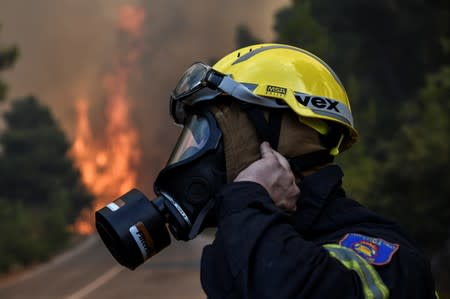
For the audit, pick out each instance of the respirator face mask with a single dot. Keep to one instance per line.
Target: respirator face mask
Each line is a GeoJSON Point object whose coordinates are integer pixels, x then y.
{"type": "Point", "coordinates": [134, 228]}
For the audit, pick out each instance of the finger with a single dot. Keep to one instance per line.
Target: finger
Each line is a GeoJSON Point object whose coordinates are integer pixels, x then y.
{"type": "Point", "coordinates": [288, 205]}
{"type": "Point", "coordinates": [294, 208]}
{"type": "Point", "coordinates": [292, 202]}
{"type": "Point", "coordinates": [282, 160]}
{"type": "Point", "coordinates": [295, 190]}
{"type": "Point", "coordinates": [291, 207]}
{"type": "Point", "coordinates": [266, 150]}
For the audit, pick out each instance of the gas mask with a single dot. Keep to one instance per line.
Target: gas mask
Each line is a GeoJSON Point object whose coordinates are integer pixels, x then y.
{"type": "Point", "coordinates": [219, 139]}
{"type": "Point", "coordinates": [134, 228]}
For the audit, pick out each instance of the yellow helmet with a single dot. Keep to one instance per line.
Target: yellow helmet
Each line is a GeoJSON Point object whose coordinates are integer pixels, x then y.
{"type": "Point", "coordinates": [298, 78]}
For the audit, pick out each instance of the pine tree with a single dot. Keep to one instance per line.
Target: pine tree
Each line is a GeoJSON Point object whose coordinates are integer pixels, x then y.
{"type": "Point", "coordinates": [39, 184]}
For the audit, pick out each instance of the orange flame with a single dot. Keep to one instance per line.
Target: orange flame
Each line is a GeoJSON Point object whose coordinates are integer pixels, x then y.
{"type": "Point", "coordinates": [108, 164]}
{"type": "Point", "coordinates": [131, 19]}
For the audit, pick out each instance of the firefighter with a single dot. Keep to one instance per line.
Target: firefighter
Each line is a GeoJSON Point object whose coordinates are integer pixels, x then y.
{"type": "Point", "coordinates": [285, 226]}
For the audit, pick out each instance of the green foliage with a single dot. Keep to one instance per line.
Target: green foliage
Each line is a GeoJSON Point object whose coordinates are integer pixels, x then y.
{"type": "Point", "coordinates": [360, 172]}
{"type": "Point", "coordinates": [387, 46]}
{"type": "Point", "coordinates": [414, 175]}
{"type": "Point", "coordinates": [8, 56]}
{"type": "Point", "coordinates": [296, 26]}
{"type": "Point", "coordinates": [40, 189]}
{"type": "Point", "coordinates": [16, 237]}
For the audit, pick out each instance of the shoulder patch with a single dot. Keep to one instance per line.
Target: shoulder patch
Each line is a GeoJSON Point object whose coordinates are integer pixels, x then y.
{"type": "Point", "coordinates": [375, 251]}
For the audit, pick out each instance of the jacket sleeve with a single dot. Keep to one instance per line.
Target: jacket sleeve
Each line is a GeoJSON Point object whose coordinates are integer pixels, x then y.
{"type": "Point", "coordinates": [258, 254]}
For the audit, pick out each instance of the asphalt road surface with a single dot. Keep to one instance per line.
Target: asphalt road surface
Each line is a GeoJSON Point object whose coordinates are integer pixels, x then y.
{"type": "Point", "coordinates": [89, 271]}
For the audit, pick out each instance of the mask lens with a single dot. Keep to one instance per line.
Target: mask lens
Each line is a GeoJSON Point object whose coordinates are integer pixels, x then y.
{"type": "Point", "coordinates": [192, 140]}
{"type": "Point", "coordinates": [191, 80]}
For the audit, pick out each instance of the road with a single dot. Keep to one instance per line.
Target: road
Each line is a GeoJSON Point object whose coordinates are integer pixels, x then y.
{"type": "Point", "coordinates": [89, 271]}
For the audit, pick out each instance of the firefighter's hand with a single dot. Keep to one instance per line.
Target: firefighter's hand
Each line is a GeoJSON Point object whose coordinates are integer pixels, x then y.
{"type": "Point", "coordinates": [274, 173]}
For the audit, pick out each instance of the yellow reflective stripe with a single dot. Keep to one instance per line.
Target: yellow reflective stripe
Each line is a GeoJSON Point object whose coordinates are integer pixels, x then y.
{"type": "Point", "coordinates": [373, 286]}
{"type": "Point", "coordinates": [436, 294]}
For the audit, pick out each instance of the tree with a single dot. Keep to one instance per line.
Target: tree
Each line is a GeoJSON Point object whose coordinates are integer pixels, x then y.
{"type": "Point", "coordinates": [8, 56]}
{"type": "Point", "coordinates": [39, 184]}
{"type": "Point", "coordinates": [244, 37]}
{"type": "Point", "coordinates": [35, 155]}
{"type": "Point", "coordinates": [385, 46]}
{"type": "Point", "coordinates": [412, 181]}
{"type": "Point", "coordinates": [416, 171]}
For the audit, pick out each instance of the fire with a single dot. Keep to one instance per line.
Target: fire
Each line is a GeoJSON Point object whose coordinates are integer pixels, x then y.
{"type": "Point", "coordinates": [108, 162]}
{"type": "Point", "coordinates": [131, 19]}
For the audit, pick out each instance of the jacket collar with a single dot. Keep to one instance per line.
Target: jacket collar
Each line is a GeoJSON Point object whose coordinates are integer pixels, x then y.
{"type": "Point", "coordinates": [315, 191]}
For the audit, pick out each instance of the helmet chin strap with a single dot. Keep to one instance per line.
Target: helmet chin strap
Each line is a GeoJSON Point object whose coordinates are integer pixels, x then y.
{"type": "Point", "coordinates": [269, 130]}
{"type": "Point", "coordinates": [304, 162]}
{"type": "Point", "coordinates": [199, 221]}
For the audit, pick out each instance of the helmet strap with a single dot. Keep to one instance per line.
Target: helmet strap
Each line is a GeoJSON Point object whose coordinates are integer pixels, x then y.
{"type": "Point", "coordinates": [307, 161]}
{"type": "Point", "coordinates": [266, 130]}
{"type": "Point", "coordinates": [333, 139]}
{"type": "Point", "coordinates": [269, 130]}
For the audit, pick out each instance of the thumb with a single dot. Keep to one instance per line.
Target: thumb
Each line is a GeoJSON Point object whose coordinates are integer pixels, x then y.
{"type": "Point", "coordinates": [266, 150]}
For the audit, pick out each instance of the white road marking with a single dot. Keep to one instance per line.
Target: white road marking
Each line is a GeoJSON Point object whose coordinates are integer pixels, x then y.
{"type": "Point", "coordinates": [89, 288]}
{"type": "Point", "coordinates": [87, 244]}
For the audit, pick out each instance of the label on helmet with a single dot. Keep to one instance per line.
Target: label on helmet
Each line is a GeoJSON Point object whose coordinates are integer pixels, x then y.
{"type": "Point", "coordinates": [375, 251]}
{"type": "Point", "coordinates": [325, 106]}
{"type": "Point", "coordinates": [319, 102]}
{"type": "Point", "coordinates": [272, 90]}
{"type": "Point", "coordinates": [143, 240]}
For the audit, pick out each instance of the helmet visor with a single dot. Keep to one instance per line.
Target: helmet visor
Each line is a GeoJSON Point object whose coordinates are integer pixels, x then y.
{"type": "Point", "coordinates": [191, 81]}
{"type": "Point", "coordinates": [193, 140]}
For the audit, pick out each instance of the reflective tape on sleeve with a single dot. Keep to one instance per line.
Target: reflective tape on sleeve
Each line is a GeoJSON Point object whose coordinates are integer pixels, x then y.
{"type": "Point", "coordinates": [373, 286]}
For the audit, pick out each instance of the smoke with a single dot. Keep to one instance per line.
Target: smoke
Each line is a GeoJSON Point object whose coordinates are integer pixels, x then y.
{"type": "Point", "coordinates": [67, 46]}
